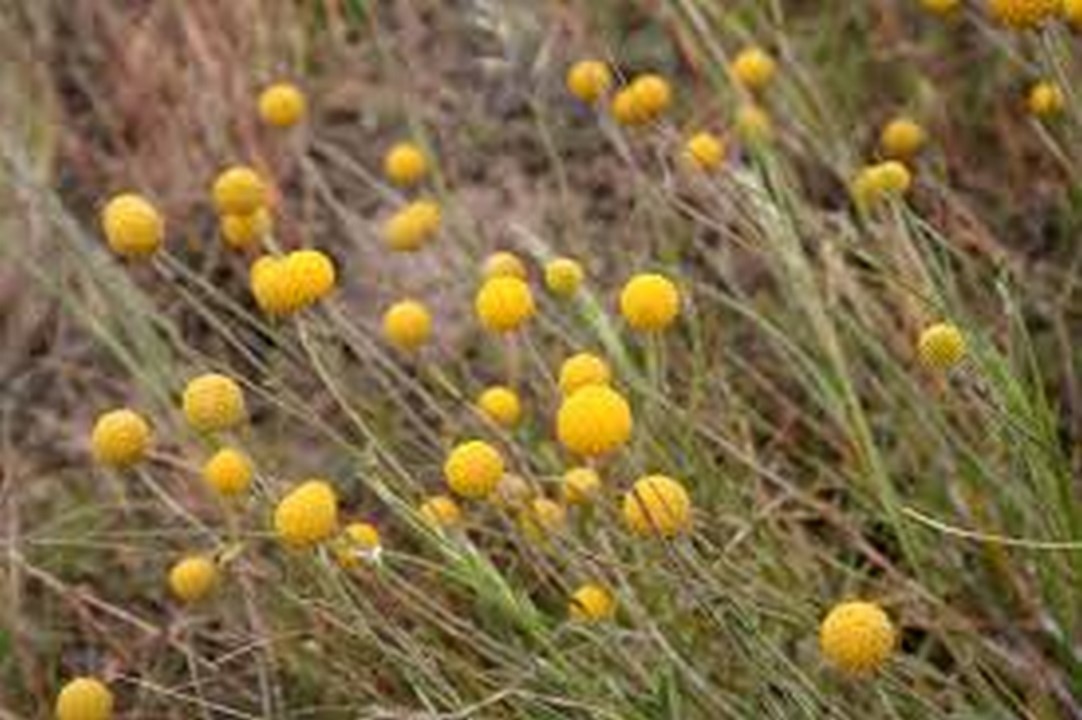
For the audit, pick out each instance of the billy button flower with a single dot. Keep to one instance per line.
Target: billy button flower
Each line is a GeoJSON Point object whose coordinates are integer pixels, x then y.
{"type": "Point", "coordinates": [412, 226]}
{"type": "Point", "coordinates": [120, 438]}
{"type": "Point", "coordinates": [657, 505]}
{"type": "Point", "coordinates": [591, 603]}
{"type": "Point", "coordinates": [857, 637]}
{"type": "Point", "coordinates": [649, 302]}
{"type": "Point", "coordinates": [245, 232]}
{"type": "Point", "coordinates": [192, 578]}
{"type": "Point", "coordinates": [1045, 99]}
{"type": "Point", "coordinates": [473, 469]}
{"type": "Point", "coordinates": [313, 273]}
{"type": "Point", "coordinates": [407, 325]}
{"type": "Point", "coordinates": [625, 109]}
{"type": "Point", "coordinates": [704, 151]}
{"type": "Point", "coordinates": [360, 541]}
{"type": "Point", "coordinates": [580, 486]}
{"type": "Point", "coordinates": [753, 125]}
{"type": "Point", "coordinates": [228, 472]}
{"type": "Point", "coordinates": [503, 264]}
{"type": "Point", "coordinates": [753, 68]}
{"type": "Point", "coordinates": [542, 517]}
{"type": "Point", "coordinates": [563, 276]}
{"type": "Point", "coordinates": [239, 190]}
{"type": "Point", "coordinates": [213, 402]}
{"type": "Point", "coordinates": [133, 227]}
{"type": "Point", "coordinates": [878, 182]}
{"type": "Point", "coordinates": [1023, 14]}
{"type": "Point", "coordinates": [501, 405]}
{"type": "Point", "coordinates": [583, 369]}
{"type": "Point", "coordinates": [504, 304]}
{"type": "Point", "coordinates": [84, 698]}
{"type": "Point", "coordinates": [941, 346]}
{"type": "Point", "coordinates": [405, 165]}
{"type": "Point", "coordinates": [588, 80]}
{"type": "Point", "coordinates": [441, 512]}
{"type": "Point", "coordinates": [901, 138]}
{"type": "Point", "coordinates": [282, 105]}
{"type": "Point", "coordinates": [594, 421]}
{"type": "Point", "coordinates": [276, 289]}
{"type": "Point", "coordinates": [307, 515]}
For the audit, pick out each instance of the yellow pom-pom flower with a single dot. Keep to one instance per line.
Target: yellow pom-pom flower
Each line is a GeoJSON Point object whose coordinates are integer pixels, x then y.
{"type": "Point", "coordinates": [133, 227]}
{"type": "Point", "coordinates": [307, 515]}
{"type": "Point", "coordinates": [503, 264]}
{"type": "Point", "coordinates": [192, 578]}
{"type": "Point", "coordinates": [120, 438]}
{"type": "Point", "coordinates": [653, 95]}
{"type": "Point", "coordinates": [313, 274]}
{"type": "Point", "coordinates": [405, 165]}
{"type": "Point", "coordinates": [1023, 14]}
{"type": "Point", "coordinates": [591, 603]}
{"type": "Point", "coordinates": [542, 517]}
{"type": "Point", "coordinates": [276, 288]}
{"type": "Point", "coordinates": [563, 276]}
{"type": "Point", "coordinates": [588, 80]}
{"type": "Point", "coordinates": [407, 325]}
{"type": "Point", "coordinates": [440, 511]}
{"type": "Point", "coordinates": [228, 472]}
{"type": "Point", "coordinates": [239, 190]}
{"type": "Point", "coordinates": [580, 486]}
{"type": "Point", "coordinates": [649, 302]}
{"type": "Point", "coordinates": [753, 125]}
{"type": "Point", "coordinates": [881, 181]}
{"type": "Point", "coordinates": [360, 541]}
{"type": "Point", "coordinates": [473, 469]}
{"type": "Point", "coordinates": [282, 105]}
{"type": "Point", "coordinates": [504, 304]}
{"type": "Point", "coordinates": [941, 346]}
{"type": "Point", "coordinates": [583, 369]}
{"type": "Point", "coordinates": [857, 637]}
{"type": "Point", "coordinates": [1072, 12]}
{"type": "Point", "coordinates": [1045, 99]}
{"type": "Point", "coordinates": [213, 402]}
{"type": "Point", "coordinates": [753, 68]}
{"type": "Point", "coordinates": [941, 7]}
{"type": "Point", "coordinates": [594, 421]}
{"type": "Point", "coordinates": [244, 232]}
{"type": "Point", "coordinates": [901, 138]}
{"type": "Point", "coordinates": [657, 505]}
{"type": "Point", "coordinates": [84, 698]}
{"type": "Point", "coordinates": [625, 109]}
{"type": "Point", "coordinates": [411, 227]}
{"type": "Point", "coordinates": [501, 405]}
{"type": "Point", "coordinates": [704, 151]}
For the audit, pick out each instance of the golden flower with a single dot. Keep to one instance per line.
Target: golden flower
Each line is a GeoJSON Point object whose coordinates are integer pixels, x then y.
{"type": "Point", "coordinates": [901, 138]}
{"type": "Point", "coordinates": [440, 511]}
{"type": "Point", "coordinates": [705, 151]}
{"type": "Point", "coordinates": [407, 325]}
{"type": "Point", "coordinates": [941, 346]}
{"type": "Point", "coordinates": [120, 438]}
{"type": "Point", "coordinates": [653, 95]}
{"type": "Point", "coordinates": [563, 276]}
{"type": "Point", "coordinates": [504, 304]}
{"type": "Point", "coordinates": [307, 515]}
{"type": "Point", "coordinates": [591, 603]}
{"type": "Point", "coordinates": [593, 421]}
{"type": "Point", "coordinates": [243, 232]}
{"type": "Point", "coordinates": [312, 272]}
{"type": "Point", "coordinates": [588, 80]}
{"type": "Point", "coordinates": [213, 402]}
{"type": "Point", "coordinates": [133, 227]}
{"type": "Point", "coordinates": [753, 68]}
{"type": "Point", "coordinates": [282, 105]}
{"type": "Point", "coordinates": [503, 264]}
{"type": "Point", "coordinates": [625, 109]}
{"type": "Point", "coordinates": [649, 302]}
{"type": "Point", "coordinates": [857, 637]}
{"type": "Point", "coordinates": [228, 472]}
{"type": "Point", "coordinates": [657, 505]}
{"type": "Point", "coordinates": [276, 288]}
{"type": "Point", "coordinates": [583, 369]}
{"type": "Point", "coordinates": [405, 164]}
{"type": "Point", "coordinates": [412, 226]}
{"type": "Point", "coordinates": [192, 578]}
{"type": "Point", "coordinates": [1023, 14]}
{"type": "Point", "coordinates": [239, 190]}
{"type": "Point", "coordinates": [1045, 99]}
{"type": "Point", "coordinates": [473, 469]}
{"type": "Point", "coordinates": [359, 541]}
{"type": "Point", "coordinates": [581, 486]}
{"type": "Point", "coordinates": [84, 698]}
{"type": "Point", "coordinates": [753, 125]}
{"type": "Point", "coordinates": [501, 405]}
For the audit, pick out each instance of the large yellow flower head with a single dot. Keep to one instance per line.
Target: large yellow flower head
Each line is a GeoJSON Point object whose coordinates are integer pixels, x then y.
{"type": "Point", "coordinates": [1045, 99]}
{"type": "Point", "coordinates": [277, 289]}
{"type": "Point", "coordinates": [504, 304]}
{"type": "Point", "coordinates": [583, 369]}
{"type": "Point", "coordinates": [857, 637]}
{"type": "Point", "coordinates": [594, 421]}
{"type": "Point", "coordinates": [192, 578]}
{"type": "Point", "coordinates": [649, 302]}
{"type": "Point", "coordinates": [441, 511]}
{"type": "Point", "coordinates": [473, 469]}
{"type": "Point", "coordinates": [588, 80]}
{"type": "Point", "coordinates": [120, 438]}
{"type": "Point", "coordinates": [133, 227]}
{"type": "Point", "coordinates": [1023, 14]}
{"type": "Point", "coordinates": [563, 276]}
{"type": "Point", "coordinates": [359, 541]}
{"type": "Point", "coordinates": [625, 109]}
{"type": "Point", "coordinates": [245, 232]}
{"type": "Point", "coordinates": [84, 698]}
{"type": "Point", "coordinates": [239, 190]}
{"type": "Point", "coordinates": [941, 346]}
{"type": "Point", "coordinates": [228, 472]}
{"type": "Point", "coordinates": [313, 274]}
{"type": "Point", "coordinates": [503, 264]}
{"type": "Point", "coordinates": [581, 486]}
{"type": "Point", "coordinates": [405, 164]}
{"type": "Point", "coordinates": [704, 151]}
{"type": "Point", "coordinates": [657, 505]}
{"type": "Point", "coordinates": [307, 515]}
{"type": "Point", "coordinates": [501, 405]}
{"type": "Point", "coordinates": [407, 325]}
{"type": "Point", "coordinates": [901, 138]}
{"type": "Point", "coordinates": [753, 68]}
{"type": "Point", "coordinates": [412, 226]}
{"type": "Point", "coordinates": [653, 95]}
{"type": "Point", "coordinates": [282, 105]}
{"type": "Point", "coordinates": [213, 402]}
{"type": "Point", "coordinates": [591, 603]}
{"type": "Point", "coordinates": [542, 517]}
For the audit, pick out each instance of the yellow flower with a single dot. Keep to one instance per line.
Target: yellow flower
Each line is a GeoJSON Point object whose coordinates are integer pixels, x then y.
{"type": "Point", "coordinates": [359, 541]}
{"type": "Point", "coordinates": [705, 151]}
{"type": "Point", "coordinates": [1023, 14]}
{"type": "Point", "coordinates": [591, 603]}
{"type": "Point", "coordinates": [503, 304]}
{"type": "Point", "coordinates": [580, 486]}
{"type": "Point", "coordinates": [440, 511]}
{"type": "Point", "coordinates": [588, 80]}
{"type": "Point", "coordinates": [405, 165]}
{"type": "Point", "coordinates": [407, 325]}
{"type": "Point", "coordinates": [857, 637]}
{"type": "Point", "coordinates": [228, 472]}
{"type": "Point", "coordinates": [1045, 99]}
{"type": "Point", "coordinates": [282, 105]}
{"type": "Point", "coordinates": [901, 138]}
{"type": "Point", "coordinates": [653, 95]}
{"type": "Point", "coordinates": [753, 125]}
{"type": "Point", "coordinates": [941, 7]}
{"type": "Point", "coordinates": [312, 272]}
{"type": "Point", "coordinates": [563, 276]}
{"type": "Point", "coordinates": [593, 421]}
{"type": "Point", "coordinates": [501, 405]}
{"type": "Point", "coordinates": [213, 402]}
{"type": "Point", "coordinates": [84, 698]}
{"type": "Point", "coordinates": [512, 492]}
{"type": "Point", "coordinates": [276, 288]}
{"type": "Point", "coordinates": [120, 438]}
{"type": "Point", "coordinates": [890, 179]}
{"type": "Point", "coordinates": [542, 517]}
{"type": "Point", "coordinates": [941, 346]}
{"type": "Point", "coordinates": [753, 68]}
{"type": "Point", "coordinates": [133, 227]}
{"type": "Point", "coordinates": [412, 226]}
{"type": "Point", "coordinates": [192, 578]}
{"type": "Point", "coordinates": [307, 515]}
{"type": "Point", "coordinates": [473, 469]}
{"type": "Point", "coordinates": [503, 264]}
{"type": "Point", "coordinates": [243, 232]}
{"type": "Point", "coordinates": [649, 302]}
{"type": "Point", "coordinates": [583, 369]}
{"type": "Point", "coordinates": [625, 109]}
{"type": "Point", "coordinates": [657, 505]}
{"type": "Point", "coordinates": [239, 190]}
{"type": "Point", "coordinates": [1072, 12]}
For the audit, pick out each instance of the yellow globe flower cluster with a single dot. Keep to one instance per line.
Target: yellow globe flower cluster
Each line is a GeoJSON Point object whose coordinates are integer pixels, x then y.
{"type": "Point", "coordinates": [877, 183]}
{"type": "Point", "coordinates": [242, 197]}
{"type": "Point", "coordinates": [643, 101]}
{"type": "Point", "coordinates": [1023, 14]}
{"type": "Point", "coordinates": [285, 285]}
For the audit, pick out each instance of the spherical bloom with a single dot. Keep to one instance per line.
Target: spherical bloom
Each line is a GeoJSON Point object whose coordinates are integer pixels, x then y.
{"type": "Point", "coordinates": [503, 264]}
{"type": "Point", "coordinates": [593, 421]}
{"type": "Point", "coordinates": [704, 151]}
{"type": "Point", "coordinates": [84, 698]}
{"type": "Point", "coordinates": [213, 402]}
{"type": "Point", "coordinates": [307, 515]}
{"type": "Point", "coordinates": [312, 272]}
{"type": "Point", "coordinates": [120, 438]}
{"type": "Point", "coordinates": [625, 109]}
{"type": "Point", "coordinates": [405, 164]}
{"type": "Point", "coordinates": [192, 578]}
{"type": "Point", "coordinates": [890, 179]}
{"type": "Point", "coordinates": [473, 469]}
{"type": "Point", "coordinates": [501, 405]}
{"type": "Point", "coordinates": [239, 190]}
{"type": "Point", "coordinates": [753, 68]}
{"type": "Point", "coordinates": [941, 346]}
{"type": "Point", "coordinates": [563, 276]}
{"type": "Point", "coordinates": [133, 227]}
{"type": "Point", "coordinates": [228, 472]}
{"type": "Point", "coordinates": [407, 325]}
{"type": "Point", "coordinates": [1072, 12]}
{"type": "Point", "coordinates": [1023, 14]}
{"type": "Point", "coordinates": [275, 286]}
{"type": "Point", "coordinates": [591, 603]}
{"type": "Point", "coordinates": [581, 486]}
{"type": "Point", "coordinates": [512, 492]}
{"type": "Point", "coordinates": [753, 125]}
{"type": "Point", "coordinates": [412, 226]}
{"type": "Point", "coordinates": [542, 517]}
{"type": "Point", "coordinates": [583, 369]}
{"type": "Point", "coordinates": [440, 511]}
{"type": "Point", "coordinates": [503, 304]}
{"type": "Point", "coordinates": [649, 302]}
{"type": "Point", "coordinates": [653, 95]}
{"type": "Point", "coordinates": [242, 232]}
{"type": "Point", "coordinates": [941, 7]}
{"type": "Point", "coordinates": [588, 80]}
{"type": "Point", "coordinates": [1045, 99]}
{"type": "Point", "coordinates": [359, 541]}
{"type": "Point", "coordinates": [657, 505]}
{"type": "Point", "coordinates": [282, 105]}
{"type": "Point", "coordinates": [901, 138]}
{"type": "Point", "coordinates": [857, 637]}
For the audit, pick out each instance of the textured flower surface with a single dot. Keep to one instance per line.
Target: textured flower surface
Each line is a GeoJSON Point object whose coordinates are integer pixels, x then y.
{"type": "Point", "coordinates": [857, 637]}
{"type": "Point", "coordinates": [503, 264]}
{"type": "Point", "coordinates": [405, 165]}
{"type": "Point", "coordinates": [705, 151]}
{"type": "Point", "coordinates": [753, 68]}
{"type": "Point", "coordinates": [473, 469]}
{"type": "Point", "coordinates": [580, 486]}
{"type": "Point", "coordinates": [583, 369]}
{"type": "Point", "coordinates": [593, 421]}
{"type": "Point", "coordinates": [228, 472]}
{"type": "Point", "coordinates": [411, 227]}
{"type": "Point", "coordinates": [192, 578]}
{"type": "Point", "coordinates": [501, 405]}
{"type": "Point", "coordinates": [239, 190]}
{"type": "Point", "coordinates": [282, 105]}
{"type": "Point", "coordinates": [133, 227]}
{"type": "Point", "coordinates": [902, 138]}
{"type": "Point", "coordinates": [307, 515]}
{"type": "Point", "coordinates": [213, 402]}
{"type": "Point", "coordinates": [84, 698]}
{"type": "Point", "coordinates": [650, 302]}
{"type": "Point", "coordinates": [1023, 14]}
{"type": "Point", "coordinates": [941, 346]}
{"type": "Point", "coordinates": [120, 438]}
{"type": "Point", "coordinates": [563, 276]}
{"type": "Point", "coordinates": [407, 325]}
{"type": "Point", "coordinates": [591, 603]}
{"type": "Point", "coordinates": [588, 80]}
{"type": "Point", "coordinates": [657, 505]}
{"type": "Point", "coordinates": [441, 511]}
{"type": "Point", "coordinates": [504, 304]}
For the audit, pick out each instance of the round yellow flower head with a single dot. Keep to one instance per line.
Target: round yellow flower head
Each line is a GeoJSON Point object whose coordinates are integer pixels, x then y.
{"type": "Point", "coordinates": [503, 264]}
{"type": "Point", "coordinates": [405, 165]}
{"type": "Point", "coordinates": [901, 138]}
{"type": "Point", "coordinates": [192, 578]}
{"type": "Point", "coordinates": [359, 541]}
{"type": "Point", "coordinates": [657, 505]}
{"type": "Point", "coordinates": [941, 346]}
{"type": "Point", "coordinates": [649, 302]}
{"type": "Point", "coordinates": [407, 325]}
{"type": "Point", "coordinates": [412, 226]}
{"type": "Point", "coordinates": [213, 402]}
{"type": "Point", "coordinates": [563, 276]}
{"type": "Point", "coordinates": [857, 637]}
{"type": "Point", "coordinates": [1045, 99]}
{"type": "Point", "coordinates": [120, 438]}
{"type": "Point", "coordinates": [653, 95]}
{"type": "Point", "coordinates": [307, 515]}
{"type": "Point", "coordinates": [84, 698]}
{"type": "Point", "coordinates": [282, 105]}
{"type": "Point", "coordinates": [512, 492]}
{"type": "Point", "coordinates": [239, 190]}
{"type": "Point", "coordinates": [583, 369]}
{"type": "Point", "coordinates": [133, 227]}
{"type": "Point", "coordinates": [1023, 14]}
{"type": "Point", "coordinates": [1072, 12]}
{"type": "Point", "coordinates": [473, 469]}
{"type": "Point", "coordinates": [276, 289]}
{"type": "Point", "coordinates": [542, 517]}
{"type": "Point", "coordinates": [753, 68]}
{"type": "Point", "coordinates": [313, 274]}
{"type": "Point", "coordinates": [244, 232]}
{"type": "Point", "coordinates": [890, 179]}
{"type": "Point", "coordinates": [581, 486]}
{"type": "Point", "coordinates": [501, 405]}
{"type": "Point", "coordinates": [441, 512]}
{"type": "Point", "coordinates": [504, 304]}
{"type": "Point", "coordinates": [588, 80]}
{"type": "Point", "coordinates": [940, 7]}
{"type": "Point", "coordinates": [625, 108]}
{"type": "Point", "coordinates": [591, 603]}
{"type": "Point", "coordinates": [704, 151]}
{"type": "Point", "coordinates": [753, 125]}
{"type": "Point", "coordinates": [594, 421]}
{"type": "Point", "coordinates": [228, 472]}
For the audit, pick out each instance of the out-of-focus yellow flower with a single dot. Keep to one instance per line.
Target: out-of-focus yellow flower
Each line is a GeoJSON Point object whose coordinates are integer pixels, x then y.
{"type": "Point", "coordinates": [583, 369]}
{"type": "Point", "coordinates": [581, 486]}
{"type": "Point", "coordinates": [84, 698]}
{"type": "Point", "coordinates": [360, 541]}
{"type": "Point", "coordinates": [649, 302]}
{"type": "Point", "coordinates": [282, 105]}
{"type": "Point", "coordinates": [213, 402]}
{"type": "Point", "coordinates": [563, 276]}
{"type": "Point", "coordinates": [243, 232]}
{"type": "Point", "coordinates": [407, 325]}
{"type": "Point", "coordinates": [120, 438]}
{"type": "Point", "coordinates": [133, 227]}
{"type": "Point", "coordinates": [503, 264]}
{"type": "Point", "coordinates": [591, 603]}
{"type": "Point", "coordinates": [1072, 12]}
{"type": "Point", "coordinates": [312, 272]}
{"type": "Point", "coordinates": [1045, 99]}
{"type": "Point", "coordinates": [405, 165]}
{"type": "Point", "coordinates": [229, 472]}
{"type": "Point", "coordinates": [753, 125]}
{"type": "Point", "coordinates": [941, 346]}
{"type": "Point", "coordinates": [307, 515]}
{"type": "Point", "coordinates": [1023, 14]}
{"type": "Point", "coordinates": [440, 511]}
{"type": "Point", "coordinates": [657, 505]}
{"type": "Point", "coordinates": [878, 182]}
{"type": "Point", "coordinates": [542, 517]}
{"type": "Point", "coordinates": [504, 304]}
{"type": "Point", "coordinates": [192, 578]}
{"type": "Point", "coordinates": [239, 190]}
{"type": "Point", "coordinates": [501, 405]}
{"type": "Point", "coordinates": [593, 421]}
{"type": "Point", "coordinates": [857, 637]}
{"type": "Point", "coordinates": [753, 68]}
{"type": "Point", "coordinates": [588, 80]}
{"type": "Point", "coordinates": [901, 138]}
{"type": "Point", "coordinates": [412, 226]}
{"type": "Point", "coordinates": [473, 469]}
{"type": "Point", "coordinates": [705, 151]}
{"type": "Point", "coordinates": [512, 492]}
